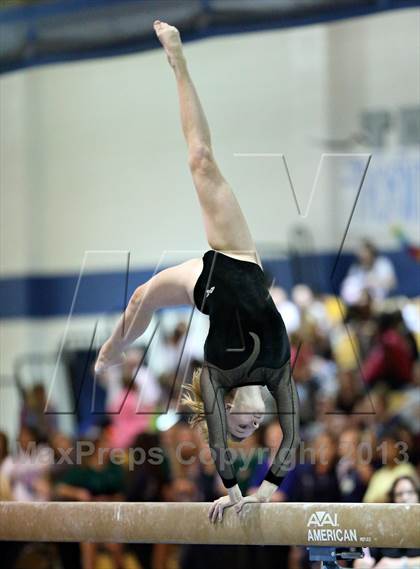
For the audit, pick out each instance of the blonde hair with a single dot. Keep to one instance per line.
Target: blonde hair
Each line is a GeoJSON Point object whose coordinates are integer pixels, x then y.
{"type": "Point", "coordinates": [193, 399]}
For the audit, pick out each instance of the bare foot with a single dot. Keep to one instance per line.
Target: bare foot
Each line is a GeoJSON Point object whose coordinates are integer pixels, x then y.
{"type": "Point", "coordinates": [108, 357]}
{"type": "Point", "coordinates": [171, 41]}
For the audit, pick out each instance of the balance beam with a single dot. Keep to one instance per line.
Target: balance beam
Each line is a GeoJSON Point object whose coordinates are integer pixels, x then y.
{"type": "Point", "coordinates": [380, 525]}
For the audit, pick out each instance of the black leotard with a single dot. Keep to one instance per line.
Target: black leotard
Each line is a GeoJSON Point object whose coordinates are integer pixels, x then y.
{"type": "Point", "coordinates": [247, 344]}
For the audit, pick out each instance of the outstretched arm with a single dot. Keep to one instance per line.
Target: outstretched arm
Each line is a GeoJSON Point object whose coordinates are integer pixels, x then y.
{"type": "Point", "coordinates": [283, 390]}
{"type": "Point", "coordinates": [213, 395]}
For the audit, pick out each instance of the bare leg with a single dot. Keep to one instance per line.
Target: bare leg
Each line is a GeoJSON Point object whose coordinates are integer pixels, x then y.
{"type": "Point", "coordinates": [224, 222]}
{"type": "Point", "coordinates": [170, 287]}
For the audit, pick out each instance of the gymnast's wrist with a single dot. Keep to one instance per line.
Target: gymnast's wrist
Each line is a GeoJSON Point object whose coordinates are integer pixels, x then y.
{"type": "Point", "coordinates": [235, 494]}
{"type": "Point", "coordinates": [265, 491]}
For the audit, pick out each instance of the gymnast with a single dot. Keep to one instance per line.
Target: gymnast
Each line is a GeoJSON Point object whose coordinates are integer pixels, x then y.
{"type": "Point", "coordinates": [227, 284]}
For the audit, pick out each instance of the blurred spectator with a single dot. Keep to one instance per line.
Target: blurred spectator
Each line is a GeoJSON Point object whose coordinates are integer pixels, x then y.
{"type": "Point", "coordinates": [134, 368]}
{"type": "Point", "coordinates": [128, 415]}
{"type": "Point", "coordinates": [9, 551]}
{"type": "Point", "coordinates": [306, 383]}
{"type": "Point", "coordinates": [246, 461]}
{"type": "Point", "coordinates": [37, 411]}
{"type": "Point", "coordinates": [350, 390]}
{"type": "Point", "coordinates": [371, 412]}
{"type": "Point", "coordinates": [95, 477]}
{"type": "Point", "coordinates": [353, 472]}
{"type": "Point", "coordinates": [372, 273]}
{"type": "Point", "coordinates": [4, 446]}
{"type": "Point", "coordinates": [325, 370]}
{"type": "Point", "coordinates": [65, 456]}
{"type": "Point", "coordinates": [316, 480]}
{"type": "Point", "coordinates": [327, 418]}
{"type": "Point", "coordinates": [149, 482]}
{"type": "Point", "coordinates": [404, 490]}
{"type": "Point", "coordinates": [287, 308]}
{"type": "Point", "coordinates": [174, 346]}
{"type": "Point", "coordinates": [407, 406]}
{"type": "Point", "coordinates": [5, 490]}
{"type": "Point", "coordinates": [395, 464]}
{"type": "Point", "coordinates": [360, 323]}
{"type": "Point", "coordinates": [313, 313]}
{"type": "Point", "coordinates": [25, 470]}
{"type": "Point", "coordinates": [392, 356]}
{"type": "Point", "coordinates": [271, 441]}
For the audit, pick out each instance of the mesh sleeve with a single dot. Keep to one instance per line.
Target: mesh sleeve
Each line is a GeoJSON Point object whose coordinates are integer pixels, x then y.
{"type": "Point", "coordinates": [283, 390]}
{"type": "Point", "coordinates": [214, 405]}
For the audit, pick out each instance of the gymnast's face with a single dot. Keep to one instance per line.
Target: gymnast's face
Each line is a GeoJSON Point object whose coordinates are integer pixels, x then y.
{"type": "Point", "coordinates": [242, 425]}
{"type": "Point", "coordinates": [245, 413]}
